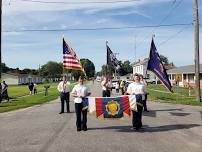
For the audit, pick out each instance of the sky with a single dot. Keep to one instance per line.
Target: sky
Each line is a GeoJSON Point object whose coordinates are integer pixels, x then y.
{"type": "Point", "coordinates": [22, 48]}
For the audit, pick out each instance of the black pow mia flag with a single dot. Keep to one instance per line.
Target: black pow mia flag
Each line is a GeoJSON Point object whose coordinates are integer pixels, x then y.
{"type": "Point", "coordinates": [111, 59]}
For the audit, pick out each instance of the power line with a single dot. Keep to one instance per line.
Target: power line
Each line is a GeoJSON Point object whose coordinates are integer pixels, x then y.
{"type": "Point", "coordinates": [78, 3]}
{"type": "Point", "coordinates": [171, 11]}
{"type": "Point", "coordinates": [174, 6]}
{"type": "Point", "coordinates": [173, 36]}
{"type": "Point", "coordinates": [169, 38]}
{"type": "Point", "coordinates": [95, 29]}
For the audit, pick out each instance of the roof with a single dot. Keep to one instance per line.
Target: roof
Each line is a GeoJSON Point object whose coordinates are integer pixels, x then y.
{"type": "Point", "coordinates": [189, 69]}
{"type": "Point", "coordinates": [141, 62]}
{"type": "Point", "coordinates": [20, 75]}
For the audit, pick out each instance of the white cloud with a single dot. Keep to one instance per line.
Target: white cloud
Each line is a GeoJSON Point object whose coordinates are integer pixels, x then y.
{"type": "Point", "coordinates": [22, 6]}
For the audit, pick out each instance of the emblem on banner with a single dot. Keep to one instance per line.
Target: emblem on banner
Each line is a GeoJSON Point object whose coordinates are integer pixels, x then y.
{"type": "Point", "coordinates": [112, 107]}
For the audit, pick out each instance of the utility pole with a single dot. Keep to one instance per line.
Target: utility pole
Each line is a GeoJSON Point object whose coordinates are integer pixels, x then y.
{"type": "Point", "coordinates": [196, 43]}
{"type": "Point", "coordinates": [0, 38]}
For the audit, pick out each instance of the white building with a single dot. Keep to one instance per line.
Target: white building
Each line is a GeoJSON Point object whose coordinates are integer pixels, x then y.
{"type": "Point", "coordinates": [140, 67]}
{"type": "Point", "coordinates": [16, 78]}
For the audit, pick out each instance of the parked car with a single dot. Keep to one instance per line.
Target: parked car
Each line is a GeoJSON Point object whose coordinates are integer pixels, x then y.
{"type": "Point", "coordinates": [151, 81]}
{"type": "Point", "coordinates": [114, 83]}
{"type": "Point", "coordinates": [98, 79]}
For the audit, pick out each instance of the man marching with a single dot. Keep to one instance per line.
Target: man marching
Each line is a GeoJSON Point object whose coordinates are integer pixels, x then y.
{"type": "Point", "coordinates": [64, 89]}
{"type": "Point", "coordinates": [137, 89]}
{"type": "Point", "coordinates": [80, 91]}
{"type": "Point", "coordinates": [106, 87]}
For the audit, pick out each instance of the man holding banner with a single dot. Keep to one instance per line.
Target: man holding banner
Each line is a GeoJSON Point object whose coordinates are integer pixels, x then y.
{"type": "Point", "coordinates": [137, 89]}
{"type": "Point", "coordinates": [80, 92]}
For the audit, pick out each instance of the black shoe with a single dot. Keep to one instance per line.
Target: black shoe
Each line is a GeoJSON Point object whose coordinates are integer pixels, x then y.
{"type": "Point", "coordinates": [68, 111]}
{"type": "Point", "coordinates": [61, 112]}
{"type": "Point", "coordinates": [134, 128]}
{"type": "Point", "coordinates": [78, 129]}
{"type": "Point", "coordinates": [85, 129]}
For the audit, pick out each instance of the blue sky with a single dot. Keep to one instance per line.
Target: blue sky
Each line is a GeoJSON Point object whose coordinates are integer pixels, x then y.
{"type": "Point", "coordinates": [31, 49]}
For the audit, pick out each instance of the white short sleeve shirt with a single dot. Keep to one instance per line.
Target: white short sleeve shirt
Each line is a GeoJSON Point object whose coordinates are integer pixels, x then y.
{"type": "Point", "coordinates": [80, 90]}
{"type": "Point", "coordinates": [64, 87]}
{"type": "Point", "coordinates": [136, 88]}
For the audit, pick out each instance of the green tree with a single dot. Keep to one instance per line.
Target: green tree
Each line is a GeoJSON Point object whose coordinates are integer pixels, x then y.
{"type": "Point", "coordinates": [89, 67]}
{"type": "Point", "coordinates": [4, 68]}
{"type": "Point", "coordinates": [107, 70]}
{"type": "Point", "coordinates": [76, 74]}
{"type": "Point", "coordinates": [164, 59]}
{"type": "Point", "coordinates": [51, 70]}
{"type": "Point", "coordinates": [127, 67]}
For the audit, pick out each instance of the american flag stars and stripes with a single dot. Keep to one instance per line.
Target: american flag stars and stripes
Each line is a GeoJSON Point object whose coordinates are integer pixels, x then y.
{"type": "Point", "coordinates": [70, 60]}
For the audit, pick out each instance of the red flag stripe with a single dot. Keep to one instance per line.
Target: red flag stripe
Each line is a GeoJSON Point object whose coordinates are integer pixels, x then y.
{"type": "Point", "coordinates": [126, 105]}
{"type": "Point", "coordinates": [69, 57]}
{"type": "Point", "coordinates": [99, 109]}
{"type": "Point", "coordinates": [73, 67]}
{"type": "Point", "coordinates": [71, 62]}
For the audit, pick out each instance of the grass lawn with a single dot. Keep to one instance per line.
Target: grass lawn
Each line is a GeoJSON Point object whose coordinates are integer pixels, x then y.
{"type": "Point", "coordinates": [28, 101]}
{"type": "Point", "coordinates": [181, 95]}
{"type": "Point", "coordinates": [22, 90]}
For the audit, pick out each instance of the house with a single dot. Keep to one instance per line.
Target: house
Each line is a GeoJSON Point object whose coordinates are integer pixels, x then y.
{"type": "Point", "coordinates": [126, 77]}
{"type": "Point", "coordinates": [184, 76]}
{"type": "Point", "coordinates": [17, 79]}
{"type": "Point", "coordinates": [140, 67]}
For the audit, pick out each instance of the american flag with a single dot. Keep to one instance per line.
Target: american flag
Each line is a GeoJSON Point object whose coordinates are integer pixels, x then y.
{"type": "Point", "coordinates": [70, 60]}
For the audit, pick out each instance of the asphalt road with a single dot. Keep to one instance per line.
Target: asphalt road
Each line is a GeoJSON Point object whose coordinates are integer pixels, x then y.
{"type": "Point", "coordinates": [167, 127]}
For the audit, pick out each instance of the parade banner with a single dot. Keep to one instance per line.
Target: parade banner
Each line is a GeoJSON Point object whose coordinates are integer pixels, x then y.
{"type": "Point", "coordinates": [110, 107]}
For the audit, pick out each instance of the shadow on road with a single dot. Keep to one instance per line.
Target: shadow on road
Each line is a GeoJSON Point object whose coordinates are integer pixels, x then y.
{"type": "Point", "coordinates": [179, 114]}
{"type": "Point", "coordinates": [152, 113]}
{"type": "Point", "coordinates": [149, 129]}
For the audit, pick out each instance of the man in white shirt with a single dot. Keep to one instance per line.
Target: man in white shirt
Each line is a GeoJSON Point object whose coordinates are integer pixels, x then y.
{"type": "Point", "coordinates": [106, 87]}
{"type": "Point", "coordinates": [80, 91]}
{"type": "Point", "coordinates": [136, 88]}
{"type": "Point", "coordinates": [64, 89]}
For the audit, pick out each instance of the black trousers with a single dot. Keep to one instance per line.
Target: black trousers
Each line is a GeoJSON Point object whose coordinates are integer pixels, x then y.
{"type": "Point", "coordinates": [122, 91]}
{"type": "Point", "coordinates": [106, 93]}
{"type": "Point", "coordinates": [145, 103]}
{"type": "Point", "coordinates": [5, 95]}
{"type": "Point", "coordinates": [64, 97]}
{"type": "Point", "coordinates": [137, 115]}
{"type": "Point", "coordinates": [80, 123]}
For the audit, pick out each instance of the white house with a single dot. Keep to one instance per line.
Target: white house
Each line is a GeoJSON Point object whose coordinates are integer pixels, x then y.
{"type": "Point", "coordinates": [16, 78]}
{"type": "Point", "coordinates": [140, 67]}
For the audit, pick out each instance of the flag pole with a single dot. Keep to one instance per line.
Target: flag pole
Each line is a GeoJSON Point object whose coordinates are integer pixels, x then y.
{"type": "Point", "coordinates": [62, 51]}
{"type": "Point", "coordinates": [107, 59]}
